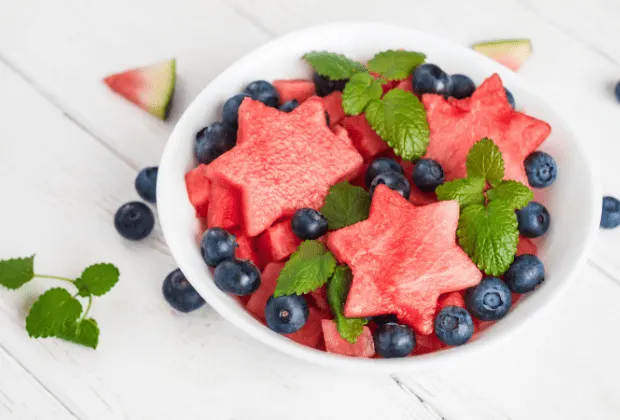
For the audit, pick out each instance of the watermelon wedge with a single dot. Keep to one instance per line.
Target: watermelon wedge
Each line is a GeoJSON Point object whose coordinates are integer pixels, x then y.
{"type": "Point", "coordinates": [526, 246]}
{"type": "Point", "coordinates": [342, 134]}
{"type": "Point", "coordinates": [318, 298]}
{"type": "Point", "coordinates": [333, 107]}
{"type": "Point", "coordinates": [150, 87]}
{"type": "Point", "coordinates": [334, 343]}
{"type": "Point", "coordinates": [297, 89]}
{"type": "Point", "coordinates": [246, 249]}
{"type": "Point", "coordinates": [450, 299]}
{"type": "Point", "coordinates": [512, 53]}
{"type": "Point", "coordinates": [258, 299]}
{"type": "Point", "coordinates": [226, 213]}
{"type": "Point", "coordinates": [198, 189]}
{"type": "Point", "coordinates": [310, 334]}
{"type": "Point", "coordinates": [364, 138]}
{"type": "Point", "coordinates": [277, 242]}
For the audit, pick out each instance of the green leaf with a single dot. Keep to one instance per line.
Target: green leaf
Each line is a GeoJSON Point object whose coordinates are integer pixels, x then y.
{"type": "Point", "coordinates": [337, 290]}
{"type": "Point", "coordinates": [98, 279]}
{"type": "Point", "coordinates": [84, 332]}
{"type": "Point", "coordinates": [465, 190]}
{"type": "Point", "coordinates": [395, 65]}
{"type": "Point", "coordinates": [52, 312]}
{"type": "Point", "coordinates": [400, 119]}
{"type": "Point", "coordinates": [484, 160]}
{"type": "Point", "coordinates": [516, 194]}
{"type": "Point", "coordinates": [361, 89]}
{"type": "Point", "coordinates": [332, 65]}
{"type": "Point", "coordinates": [16, 272]}
{"type": "Point", "coordinates": [489, 235]}
{"type": "Point", "coordinates": [309, 268]}
{"type": "Point", "coordinates": [345, 205]}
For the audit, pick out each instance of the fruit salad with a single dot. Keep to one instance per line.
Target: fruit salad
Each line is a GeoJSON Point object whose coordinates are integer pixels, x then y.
{"type": "Point", "coordinates": [378, 210]}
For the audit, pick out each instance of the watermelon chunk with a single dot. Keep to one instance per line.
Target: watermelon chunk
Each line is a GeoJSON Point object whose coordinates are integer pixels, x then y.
{"type": "Point", "coordinates": [406, 85]}
{"type": "Point", "coordinates": [388, 85]}
{"type": "Point", "coordinates": [278, 242]}
{"type": "Point", "coordinates": [318, 298]}
{"type": "Point", "coordinates": [526, 246]}
{"type": "Point", "coordinates": [334, 343]}
{"type": "Point", "coordinates": [342, 134]}
{"type": "Point", "coordinates": [150, 87]}
{"type": "Point", "coordinates": [297, 89]}
{"type": "Point", "coordinates": [288, 164]}
{"type": "Point", "coordinates": [365, 140]}
{"type": "Point", "coordinates": [198, 189]}
{"type": "Point", "coordinates": [511, 53]}
{"type": "Point", "coordinates": [403, 267]}
{"type": "Point", "coordinates": [455, 126]}
{"type": "Point", "coordinates": [425, 344]}
{"type": "Point", "coordinates": [450, 299]}
{"type": "Point", "coordinates": [269, 280]}
{"type": "Point", "coordinates": [333, 106]}
{"type": "Point", "coordinates": [246, 249]}
{"type": "Point", "coordinates": [225, 211]}
{"type": "Point", "coordinates": [310, 334]}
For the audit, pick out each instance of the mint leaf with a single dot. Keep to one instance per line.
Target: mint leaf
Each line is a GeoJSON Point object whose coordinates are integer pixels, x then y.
{"type": "Point", "coordinates": [361, 89]}
{"type": "Point", "coordinates": [52, 312]}
{"type": "Point", "coordinates": [400, 119]}
{"type": "Point", "coordinates": [333, 66]}
{"type": "Point", "coordinates": [98, 279]}
{"type": "Point", "coordinates": [514, 193]}
{"type": "Point", "coordinates": [465, 190]}
{"type": "Point", "coordinates": [395, 65]}
{"type": "Point", "coordinates": [85, 332]}
{"type": "Point", "coordinates": [309, 268]}
{"type": "Point", "coordinates": [345, 205]}
{"type": "Point", "coordinates": [337, 290]}
{"type": "Point", "coordinates": [484, 160]}
{"type": "Point", "coordinates": [489, 235]}
{"type": "Point", "coordinates": [16, 272]}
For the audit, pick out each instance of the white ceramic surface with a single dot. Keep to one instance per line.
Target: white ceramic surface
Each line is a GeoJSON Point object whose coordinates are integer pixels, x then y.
{"type": "Point", "coordinates": [573, 200]}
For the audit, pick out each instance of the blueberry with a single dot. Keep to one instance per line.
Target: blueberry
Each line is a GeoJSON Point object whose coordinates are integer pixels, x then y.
{"type": "Point", "coordinates": [525, 273]}
{"type": "Point", "coordinates": [230, 111]}
{"type": "Point", "coordinates": [309, 224]}
{"type": "Point", "coordinates": [461, 86]}
{"type": "Point", "coordinates": [533, 220]}
{"type": "Point", "coordinates": [381, 165]}
{"type": "Point", "coordinates": [393, 340]}
{"type": "Point", "coordinates": [430, 78]}
{"type": "Point", "coordinates": [180, 294]}
{"type": "Point", "coordinates": [617, 91]}
{"type": "Point", "coordinates": [394, 181]}
{"type": "Point", "coordinates": [146, 183]}
{"type": "Point", "coordinates": [610, 218]}
{"type": "Point", "coordinates": [212, 141]}
{"type": "Point", "coordinates": [428, 175]}
{"type": "Point", "coordinates": [541, 169]}
{"type": "Point", "coordinates": [454, 326]}
{"type": "Point", "coordinates": [237, 277]}
{"type": "Point", "coordinates": [134, 220]}
{"type": "Point", "coordinates": [264, 92]}
{"type": "Point", "coordinates": [289, 106]}
{"type": "Point", "coordinates": [511, 98]}
{"type": "Point", "coordinates": [324, 86]}
{"type": "Point", "coordinates": [490, 300]}
{"type": "Point", "coordinates": [286, 314]}
{"type": "Point", "coordinates": [384, 319]}
{"type": "Point", "coordinates": [217, 245]}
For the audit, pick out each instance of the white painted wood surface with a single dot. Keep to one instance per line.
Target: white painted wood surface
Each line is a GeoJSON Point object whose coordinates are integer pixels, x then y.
{"type": "Point", "coordinates": [69, 151]}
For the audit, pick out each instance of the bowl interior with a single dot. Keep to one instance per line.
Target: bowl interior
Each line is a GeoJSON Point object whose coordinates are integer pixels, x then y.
{"type": "Point", "coordinates": [573, 200]}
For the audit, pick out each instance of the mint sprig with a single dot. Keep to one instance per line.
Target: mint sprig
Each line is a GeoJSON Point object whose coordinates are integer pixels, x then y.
{"type": "Point", "coordinates": [345, 205]}
{"type": "Point", "coordinates": [395, 64]}
{"type": "Point", "coordinates": [359, 91]}
{"type": "Point", "coordinates": [333, 66]}
{"type": "Point", "coordinates": [488, 228]}
{"type": "Point", "coordinates": [309, 268]}
{"type": "Point", "coordinates": [337, 290]}
{"type": "Point", "coordinates": [58, 313]}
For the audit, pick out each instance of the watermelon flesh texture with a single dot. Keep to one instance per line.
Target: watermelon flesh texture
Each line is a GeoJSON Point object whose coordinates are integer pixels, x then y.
{"type": "Point", "coordinates": [318, 298]}
{"type": "Point", "coordinates": [278, 242]}
{"type": "Point", "coordinates": [269, 280]}
{"type": "Point", "coordinates": [150, 87]}
{"type": "Point", "coordinates": [225, 211]}
{"type": "Point", "coordinates": [364, 138]}
{"type": "Point", "coordinates": [334, 343]}
{"type": "Point", "coordinates": [297, 89]}
{"type": "Point", "coordinates": [310, 334]}
{"type": "Point", "coordinates": [526, 246]}
{"type": "Point", "coordinates": [246, 249]}
{"type": "Point", "coordinates": [450, 299]}
{"type": "Point", "coordinates": [198, 189]}
{"type": "Point", "coordinates": [333, 107]}
{"type": "Point", "coordinates": [511, 53]}
{"type": "Point", "coordinates": [342, 134]}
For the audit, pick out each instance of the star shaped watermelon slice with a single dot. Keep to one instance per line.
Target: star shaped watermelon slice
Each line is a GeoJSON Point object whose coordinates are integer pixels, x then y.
{"type": "Point", "coordinates": [285, 161]}
{"type": "Point", "coordinates": [455, 125]}
{"type": "Point", "coordinates": [402, 258]}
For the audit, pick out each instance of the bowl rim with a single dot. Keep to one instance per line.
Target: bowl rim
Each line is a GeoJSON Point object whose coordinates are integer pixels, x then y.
{"type": "Point", "coordinates": [177, 241]}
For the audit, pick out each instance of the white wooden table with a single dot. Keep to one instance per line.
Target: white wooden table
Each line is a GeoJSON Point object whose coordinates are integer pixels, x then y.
{"type": "Point", "coordinates": [69, 151]}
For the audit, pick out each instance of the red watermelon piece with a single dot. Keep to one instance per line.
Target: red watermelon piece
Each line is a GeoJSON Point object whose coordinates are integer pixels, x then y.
{"type": "Point", "coordinates": [403, 267]}
{"type": "Point", "coordinates": [297, 89]}
{"type": "Point", "coordinates": [333, 106]}
{"type": "Point", "coordinates": [342, 134]}
{"type": "Point", "coordinates": [318, 298]}
{"type": "Point", "coordinates": [450, 299]}
{"type": "Point", "coordinates": [425, 344]}
{"type": "Point", "coordinates": [278, 242]}
{"type": "Point", "coordinates": [365, 140]}
{"type": "Point", "coordinates": [310, 334]}
{"type": "Point", "coordinates": [269, 280]}
{"type": "Point", "coordinates": [246, 249]}
{"type": "Point", "coordinates": [334, 343]}
{"type": "Point", "coordinates": [225, 211]}
{"type": "Point", "coordinates": [455, 126]}
{"type": "Point", "coordinates": [198, 189]}
{"type": "Point", "coordinates": [287, 164]}
{"type": "Point", "coordinates": [405, 85]}
{"type": "Point", "coordinates": [388, 85]}
{"type": "Point", "coordinates": [526, 246]}
{"type": "Point", "coordinates": [150, 87]}
{"type": "Point", "coordinates": [417, 197]}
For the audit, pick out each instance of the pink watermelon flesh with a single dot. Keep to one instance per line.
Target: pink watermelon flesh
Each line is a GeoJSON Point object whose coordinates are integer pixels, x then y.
{"type": "Point", "coordinates": [455, 126]}
{"type": "Point", "coordinates": [198, 189]}
{"type": "Point", "coordinates": [526, 246]}
{"type": "Point", "coordinates": [388, 85]}
{"type": "Point", "coordinates": [225, 211]}
{"type": "Point", "coordinates": [287, 164]}
{"type": "Point", "coordinates": [403, 267]}
{"type": "Point", "coordinates": [310, 334]}
{"type": "Point", "coordinates": [450, 299]}
{"type": "Point", "coordinates": [150, 87]}
{"type": "Point", "coordinates": [333, 106]}
{"type": "Point", "coordinates": [334, 343]}
{"type": "Point", "coordinates": [318, 298]}
{"type": "Point", "coordinates": [425, 344]}
{"type": "Point", "coordinates": [297, 89]}
{"type": "Point", "coordinates": [342, 134]}
{"type": "Point", "coordinates": [278, 242]}
{"type": "Point", "coordinates": [405, 85]}
{"type": "Point", "coordinates": [246, 249]}
{"type": "Point", "coordinates": [367, 142]}
{"type": "Point", "coordinates": [417, 197]}
{"type": "Point", "coordinates": [269, 280]}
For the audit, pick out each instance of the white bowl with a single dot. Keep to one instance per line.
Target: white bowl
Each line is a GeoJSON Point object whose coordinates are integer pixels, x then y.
{"type": "Point", "coordinates": [574, 200]}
